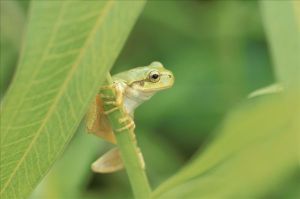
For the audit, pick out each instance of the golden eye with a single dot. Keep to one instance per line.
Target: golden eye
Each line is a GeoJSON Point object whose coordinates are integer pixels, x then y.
{"type": "Point", "coordinates": [154, 76]}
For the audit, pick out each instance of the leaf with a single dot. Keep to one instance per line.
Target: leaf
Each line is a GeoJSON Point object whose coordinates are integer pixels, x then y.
{"type": "Point", "coordinates": [127, 147]}
{"type": "Point", "coordinates": [61, 181]}
{"type": "Point", "coordinates": [255, 150]}
{"type": "Point", "coordinates": [11, 29]}
{"type": "Point", "coordinates": [69, 48]}
{"type": "Point", "coordinates": [155, 147]}
{"type": "Point", "coordinates": [284, 38]}
{"type": "Point", "coordinates": [271, 89]}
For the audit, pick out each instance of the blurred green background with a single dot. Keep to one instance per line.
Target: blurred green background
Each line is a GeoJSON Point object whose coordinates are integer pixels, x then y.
{"type": "Point", "coordinates": [218, 53]}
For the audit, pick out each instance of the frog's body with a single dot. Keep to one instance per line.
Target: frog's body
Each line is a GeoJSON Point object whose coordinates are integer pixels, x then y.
{"type": "Point", "coordinates": [132, 88]}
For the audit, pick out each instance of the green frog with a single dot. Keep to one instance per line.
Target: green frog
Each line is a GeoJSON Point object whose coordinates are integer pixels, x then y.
{"type": "Point", "coordinates": [131, 88]}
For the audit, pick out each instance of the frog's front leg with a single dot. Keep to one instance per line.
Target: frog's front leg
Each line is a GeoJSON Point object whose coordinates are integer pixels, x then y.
{"type": "Point", "coordinates": [118, 103]}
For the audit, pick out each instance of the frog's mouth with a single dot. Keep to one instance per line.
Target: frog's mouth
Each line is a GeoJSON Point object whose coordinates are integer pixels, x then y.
{"type": "Point", "coordinates": [166, 81]}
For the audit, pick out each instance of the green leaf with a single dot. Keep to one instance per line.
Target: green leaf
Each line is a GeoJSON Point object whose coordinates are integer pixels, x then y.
{"type": "Point", "coordinates": [155, 147]}
{"type": "Point", "coordinates": [11, 29]}
{"type": "Point", "coordinates": [128, 148]}
{"type": "Point", "coordinates": [255, 150]}
{"type": "Point", "coordinates": [69, 48]}
{"type": "Point", "coordinates": [284, 38]}
{"type": "Point", "coordinates": [69, 176]}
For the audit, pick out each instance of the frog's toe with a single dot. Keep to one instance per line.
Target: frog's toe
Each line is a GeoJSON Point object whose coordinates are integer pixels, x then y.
{"type": "Point", "coordinates": [111, 110]}
{"type": "Point", "coordinates": [141, 158]}
{"type": "Point", "coordinates": [131, 125]}
{"type": "Point", "coordinates": [110, 103]}
{"type": "Point", "coordinates": [109, 162]}
{"type": "Point", "coordinates": [107, 97]}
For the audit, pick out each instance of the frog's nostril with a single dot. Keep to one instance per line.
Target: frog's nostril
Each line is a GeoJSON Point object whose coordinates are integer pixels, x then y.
{"type": "Point", "coordinates": [170, 76]}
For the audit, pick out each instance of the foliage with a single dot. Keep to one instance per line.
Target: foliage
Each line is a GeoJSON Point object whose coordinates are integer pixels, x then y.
{"type": "Point", "coordinates": [58, 75]}
{"type": "Point", "coordinates": [201, 139]}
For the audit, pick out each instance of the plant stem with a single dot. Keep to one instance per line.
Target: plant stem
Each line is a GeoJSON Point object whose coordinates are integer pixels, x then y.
{"type": "Point", "coordinates": [129, 151]}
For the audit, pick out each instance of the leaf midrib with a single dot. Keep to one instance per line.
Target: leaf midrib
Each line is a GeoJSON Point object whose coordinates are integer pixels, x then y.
{"type": "Point", "coordinates": [102, 15]}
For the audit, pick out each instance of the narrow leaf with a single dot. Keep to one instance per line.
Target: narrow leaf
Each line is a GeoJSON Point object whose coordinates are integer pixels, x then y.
{"type": "Point", "coordinates": [282, 24]}
{"type": "Point", "coordinates": [11, 31]}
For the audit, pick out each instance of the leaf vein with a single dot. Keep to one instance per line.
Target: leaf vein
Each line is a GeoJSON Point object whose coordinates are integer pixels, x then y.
{"type": "Point", "coordinates": [98, 23]}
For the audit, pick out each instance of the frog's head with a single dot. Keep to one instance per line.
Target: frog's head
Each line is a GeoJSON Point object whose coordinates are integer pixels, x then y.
{"type": "Point", "coordinates": [151, 78]}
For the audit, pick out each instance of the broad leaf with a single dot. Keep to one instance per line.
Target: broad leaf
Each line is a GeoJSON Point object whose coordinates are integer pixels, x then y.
{"type": "Point", "coordinates": [255, 150]}
{"type": "Point", "coordinates": [69, 176]}
{"type": "Point", "coordinates": [69, 47]}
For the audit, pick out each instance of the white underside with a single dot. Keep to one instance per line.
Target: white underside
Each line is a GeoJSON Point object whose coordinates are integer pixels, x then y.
{"type": "Point", "coordinates": [133, 98]}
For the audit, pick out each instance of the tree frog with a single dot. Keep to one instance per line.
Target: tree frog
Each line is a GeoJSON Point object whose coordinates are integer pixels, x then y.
{"type": "Point", "coordinates": [131, 88]}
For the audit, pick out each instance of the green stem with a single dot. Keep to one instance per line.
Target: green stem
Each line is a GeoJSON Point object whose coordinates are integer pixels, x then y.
{"type": "Point", "coordinates": [128, 149]}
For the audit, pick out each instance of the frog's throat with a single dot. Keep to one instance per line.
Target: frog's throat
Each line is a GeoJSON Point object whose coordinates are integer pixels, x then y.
{"type": "Point", "coordinates": [133, 98]}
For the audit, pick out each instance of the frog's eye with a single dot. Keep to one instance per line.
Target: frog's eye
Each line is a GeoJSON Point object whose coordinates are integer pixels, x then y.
{"type": "Point", "coordinates": [154, 76]}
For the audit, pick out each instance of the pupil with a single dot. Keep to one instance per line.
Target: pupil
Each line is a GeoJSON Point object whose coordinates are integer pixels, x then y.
{"type": "Point", "coordinates": [155, 76]}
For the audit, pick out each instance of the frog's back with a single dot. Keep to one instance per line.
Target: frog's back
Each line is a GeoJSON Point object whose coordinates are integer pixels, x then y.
{"type": "Point", "coordinates": [132, 75]}
{"type": "Point", "coordinates": [97, 122]}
